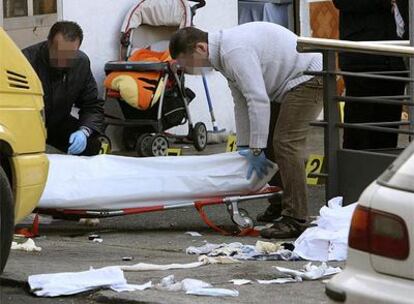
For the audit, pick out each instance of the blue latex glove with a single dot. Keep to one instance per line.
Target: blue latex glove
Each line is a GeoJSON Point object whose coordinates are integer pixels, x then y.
{"type": "Point", "coordinates": [260, 164]}
{"type": "Point", "coordinates": [78, 141]}
{"type": "Point", "coordinates": [242, 148]}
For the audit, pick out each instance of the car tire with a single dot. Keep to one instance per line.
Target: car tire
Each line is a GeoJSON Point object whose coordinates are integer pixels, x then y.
{"type": "Point", "coordinates": [6, 219]}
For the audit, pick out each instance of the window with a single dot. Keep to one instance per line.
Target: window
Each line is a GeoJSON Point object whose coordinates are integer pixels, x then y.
{"type": "Point", "coordinates": [20, 14]}
{"type": "Point", "coordinates": [15, 8]}
{"type": "Point", "coordinates": [400, 174]}
{"type": "Point", "coordinates": [43, 7]}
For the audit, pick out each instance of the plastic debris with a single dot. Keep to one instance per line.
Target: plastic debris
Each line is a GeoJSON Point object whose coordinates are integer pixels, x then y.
{"type": "Point", "coordinates": [127, 259]}
{"type": "Point", "coordinates": [28, 246]}
{"type": "Point", "coordinates": [97, 240]}
{"type": "Point", "coordinates": [240, 282]}
{"type": "Point", "coordinates": [193, 233]}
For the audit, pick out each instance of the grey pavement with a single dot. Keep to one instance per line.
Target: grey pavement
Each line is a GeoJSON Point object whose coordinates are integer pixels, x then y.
{"type": "Point", "coordinates": [156, 238]}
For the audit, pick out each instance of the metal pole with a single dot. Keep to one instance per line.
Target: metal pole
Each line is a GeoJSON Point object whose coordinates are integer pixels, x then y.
{"type": "Point", "coordinates": [331, 117]}
{"type": "Point", "coordinates": [411, 86]}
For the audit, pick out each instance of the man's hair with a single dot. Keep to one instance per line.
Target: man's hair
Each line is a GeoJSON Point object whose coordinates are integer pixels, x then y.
{"type": "Point", "coordinates": [184, 41]}
{"type": "Point", "coordinates": [70, 30]}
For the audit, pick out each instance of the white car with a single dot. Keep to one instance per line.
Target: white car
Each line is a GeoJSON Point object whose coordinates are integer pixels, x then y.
{"type": "Point", "coordinates": [380, 266]}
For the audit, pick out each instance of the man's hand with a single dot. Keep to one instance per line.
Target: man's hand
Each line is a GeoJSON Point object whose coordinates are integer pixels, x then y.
{"type": "Point", "coordinates": [78, 141]}
{"type": "Point", "coordinates": [260, 164]}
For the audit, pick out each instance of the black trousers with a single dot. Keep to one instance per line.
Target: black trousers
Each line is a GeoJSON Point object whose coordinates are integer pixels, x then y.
{"type": "Point", "coordinates": [367, 112]}
{"type": "Point", "coordinates": [58, 137]}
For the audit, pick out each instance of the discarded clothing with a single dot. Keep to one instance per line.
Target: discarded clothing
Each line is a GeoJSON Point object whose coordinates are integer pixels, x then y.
{"type": "Point", "coordinates": [194, 287]}
{"type": "Point", "coordinates": [239, 251]}
{"type": "Point", "coordinates": [202, 261]}
{"type": "Point", "coordinates": [69, 283]}
{"type": "Point", "coordinates": [109, 182]}
{"type": "Point", "coordinates": [329, 240]}
{"type": "Point", "coordinates": [28, 246]}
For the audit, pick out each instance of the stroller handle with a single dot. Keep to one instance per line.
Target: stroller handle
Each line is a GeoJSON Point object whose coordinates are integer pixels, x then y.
{"type": "Point", "coordinates": [194, 8]}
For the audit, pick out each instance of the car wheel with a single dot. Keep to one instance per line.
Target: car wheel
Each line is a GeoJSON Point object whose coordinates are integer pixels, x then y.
{"type": "Point", "coordinates": [6, 219]}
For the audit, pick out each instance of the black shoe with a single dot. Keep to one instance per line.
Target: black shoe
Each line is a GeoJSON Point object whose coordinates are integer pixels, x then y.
{"type": "Point", "coordinates": [285, 228]}
{"type": "Point", "coordinates": [272, 213]}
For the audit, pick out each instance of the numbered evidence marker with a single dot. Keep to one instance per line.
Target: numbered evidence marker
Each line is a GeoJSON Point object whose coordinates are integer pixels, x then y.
{"type": "Point", "coordinates": [174, 152]}
{"type": "Point", "coordinates": [314, 165]}
{"type": "Point", "coordinates": [231, 143]}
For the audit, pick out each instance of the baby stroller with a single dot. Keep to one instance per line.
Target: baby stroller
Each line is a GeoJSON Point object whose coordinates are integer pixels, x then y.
{"type": "Point", "coordinates": [163, 99]}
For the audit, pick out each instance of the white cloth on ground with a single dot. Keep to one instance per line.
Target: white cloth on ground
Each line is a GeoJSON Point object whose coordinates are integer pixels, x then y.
{"type": "Point", "coordinates": [328, 241]}
{"type": "Point", "coordinates": [69, 283]}
{"type": "Point", "coordinates": [202, 261]}
{"type": "Point", "coordinates": [114, 182]}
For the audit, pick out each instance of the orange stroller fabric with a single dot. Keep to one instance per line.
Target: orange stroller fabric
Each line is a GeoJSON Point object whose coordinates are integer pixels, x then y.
{"type": "Point", "coordinates": [138, 89]}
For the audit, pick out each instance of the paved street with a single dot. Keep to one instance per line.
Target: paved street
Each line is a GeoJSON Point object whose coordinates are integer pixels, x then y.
{"type": "Point", "coordinates": [154, 238]}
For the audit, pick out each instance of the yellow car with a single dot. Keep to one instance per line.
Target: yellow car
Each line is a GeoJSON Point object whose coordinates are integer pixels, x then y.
{"type": "Point", "coordinates": [23, 162]}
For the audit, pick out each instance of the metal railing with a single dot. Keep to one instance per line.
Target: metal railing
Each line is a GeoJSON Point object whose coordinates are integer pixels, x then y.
{"type": "Point", "coordinates": [338, 161]}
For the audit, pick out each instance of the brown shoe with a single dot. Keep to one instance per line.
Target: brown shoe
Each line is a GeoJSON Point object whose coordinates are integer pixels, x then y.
{"type": "Point", "coordinates": [285, 228]}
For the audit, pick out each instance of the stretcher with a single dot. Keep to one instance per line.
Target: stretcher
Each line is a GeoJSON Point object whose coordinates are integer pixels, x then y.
{"type": "Point", "coordinates": [109, 186]}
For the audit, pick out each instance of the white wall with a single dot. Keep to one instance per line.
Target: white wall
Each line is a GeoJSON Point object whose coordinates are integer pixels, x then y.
{"type": "Point", "coordinates": [101, 21]}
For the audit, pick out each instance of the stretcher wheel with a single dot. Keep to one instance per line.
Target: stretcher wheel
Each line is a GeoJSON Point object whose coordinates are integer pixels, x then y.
{"type": "Point", "coordinates": [143, 145]}
{"type": "Point", "coordinates": [159, 146]}
{"type": "Point", "coordinates": [200, 136]}
{"type": "Point", "coordinates": [245, 218]}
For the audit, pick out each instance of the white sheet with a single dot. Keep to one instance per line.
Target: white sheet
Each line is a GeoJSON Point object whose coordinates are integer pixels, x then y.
{"type": "Point", "coordinates": [115, 182]}
{"type": "Point", "coordinates": [329, 240]}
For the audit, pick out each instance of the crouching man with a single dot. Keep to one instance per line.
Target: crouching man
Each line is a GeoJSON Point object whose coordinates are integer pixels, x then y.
{"type": "Point", "coordinates": [67, 81]}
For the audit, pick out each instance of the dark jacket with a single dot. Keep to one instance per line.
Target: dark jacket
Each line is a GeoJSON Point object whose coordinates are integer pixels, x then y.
{"type": "Point", "coordinates": [63, 89]}
{"type": "Point", "coordinates": [369, 20]}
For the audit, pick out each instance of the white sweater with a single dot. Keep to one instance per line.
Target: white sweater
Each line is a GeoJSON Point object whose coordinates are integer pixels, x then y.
{"type": "Point", "coordinates": [261, 64]}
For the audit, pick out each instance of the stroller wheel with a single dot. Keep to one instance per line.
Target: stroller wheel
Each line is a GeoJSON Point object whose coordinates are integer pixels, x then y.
{"type": "Point", "coordinates": [106, 145]}
{"type": "Point", "coordinates": [129, 138]}
{"type": "Point", "coordinates": [158, 146]}
{"type": "Point", "coordinates": [143, 145]}
{"type": "Point", "coordinates": [200, 136]}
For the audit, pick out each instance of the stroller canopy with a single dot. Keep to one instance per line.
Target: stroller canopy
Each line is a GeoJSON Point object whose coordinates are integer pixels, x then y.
{"type": "Point", "coordinates": [158, 13]}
